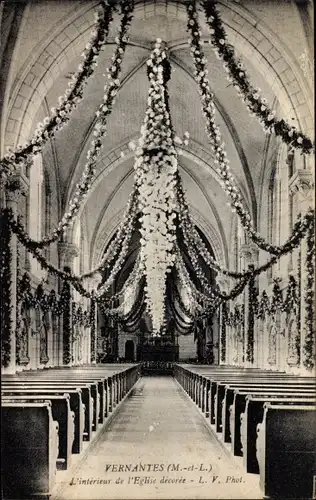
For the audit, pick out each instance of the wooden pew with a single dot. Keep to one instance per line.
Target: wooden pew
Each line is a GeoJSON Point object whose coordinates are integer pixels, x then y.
{"type": "Point", "coordinates": [230, 394]}
{"type": "Point", "coordinates": [61, 388]}
{"type": "Point", "coordinates": [29, 449]}
{"type": "Point", "coordinates": [62, 414]}
{"type": "Point", "coordinates": [224, 396]}
{"type": "Point", "coordinates": [286, 451]}
{"type": "Point", "coordinates": [239, 405]}
{"type": "Point", "coordinates": [253, 415]}
{"type": "Point", "coordinates": [76, 407]}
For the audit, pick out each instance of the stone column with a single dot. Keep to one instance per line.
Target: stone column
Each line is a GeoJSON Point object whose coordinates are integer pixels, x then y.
{"type": "Point", "coordinates": [250, 255]}
{"type": "Point", "coordinates": [67, 252]}
{"type": "Point", "coordinates": [14, 188]}
{"type": "Point", "coordinates": [302, 187]}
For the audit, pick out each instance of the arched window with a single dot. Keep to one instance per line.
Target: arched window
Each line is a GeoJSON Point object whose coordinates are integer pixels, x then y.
{"type": "Point", "coordinates": [36, 179]}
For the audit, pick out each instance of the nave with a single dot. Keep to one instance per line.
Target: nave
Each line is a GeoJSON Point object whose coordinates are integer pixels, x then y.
{"type": "Point", "coordinates": [205, 432]}
{"type": "Point", "coordinates": [159, 427]}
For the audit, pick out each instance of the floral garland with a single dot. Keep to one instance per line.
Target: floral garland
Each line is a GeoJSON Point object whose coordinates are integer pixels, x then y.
{"type": "Point", "coordinates": [276, 305]}
{"type": "Point", "coordinates": [155, 167]}
{"type": "Point", "coordinates": [93, 331]}
{"type": "Point", "coordinates": [223, 331]}
{"type": "Point", "coordinates": [126, 226]}
{"type": "Point", "coordinates": [73, 95]}
{"type": "Point", "coordinates": [213, 131]}
{"type": "Point", "coordinates": [79, 316]}
{"type": "Point", "coordinates": [67, 325]}
{"type": "Point", "coordinates": [5, 296]}
{"type": "Point", "coordinates": [99, 131]}
{"type": "Point", "coordinates": [291, 301]}
{"type": "Point", "coordinates": [116, 268]}
{"type": "Point", "coordinates": [68, 276]}
{"type": "Point", "coordinates": [18, 324]}
{"type": "Point", "coordinates": [263, 306]}
{"type": "Point", "coordinates": [250, 95]}
{"type": "Point", "coordinates": [196, 244]}
{"type": "Point", "coordinates": [236, 317]}
{"type": "Point", "coordinates": [292, 306]}
{"type": "Point", "coordinates": [132, 281]}
{"type": "Point", "coordinates": [252, 296]}
{"type": "Point", "coordinates": [309, 343]}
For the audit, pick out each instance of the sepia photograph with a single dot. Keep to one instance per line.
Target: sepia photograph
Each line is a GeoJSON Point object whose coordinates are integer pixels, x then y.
{"type": "Point", "coordinates": [157, 250]}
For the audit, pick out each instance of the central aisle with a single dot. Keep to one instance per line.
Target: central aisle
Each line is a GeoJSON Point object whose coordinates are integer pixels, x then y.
{"type": "Point", "coordinates": [158, 446]}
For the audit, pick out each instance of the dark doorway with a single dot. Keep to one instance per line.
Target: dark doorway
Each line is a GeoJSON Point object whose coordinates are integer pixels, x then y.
{"type": "Point", "coordinates": [129, 350]}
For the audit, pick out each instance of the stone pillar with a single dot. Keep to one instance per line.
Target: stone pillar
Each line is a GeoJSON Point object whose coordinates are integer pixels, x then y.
{"type": "Point", "coordinates": [67, 252]}
{"type": "Point", "coordinates": [302, 186]}
{"type": "Point", "coordinates": [250, 255]}
{"type": "Point", "coordinates": [14, 188]}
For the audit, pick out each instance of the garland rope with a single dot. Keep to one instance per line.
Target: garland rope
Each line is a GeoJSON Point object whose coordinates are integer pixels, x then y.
{"type": "Point", "coordinates": [251, 96]}
{"type": "Point", "coordinates": [99, 131]}
{"type": "Point", "coordinates": [73, 95]}
{"type": "Point", "coordinates": [213, 131]}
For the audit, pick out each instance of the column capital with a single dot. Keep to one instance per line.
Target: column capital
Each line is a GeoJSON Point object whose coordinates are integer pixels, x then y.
{"type": "Point", "coordinates": [15, 186]}
{"type": "Point", "coordinates": [302, 182]}
{"type": "Point", "coordinates": [223, 282]}
{"type": "Point", "coordinates": [67, 252]}
{"type": "Point", "coordinates": [250, 253]}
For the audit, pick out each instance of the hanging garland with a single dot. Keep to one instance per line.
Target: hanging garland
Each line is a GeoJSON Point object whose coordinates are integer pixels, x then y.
{"type": "Point", "coordinates": [5, 295]}
{"type": "Point", "coordinates": [236, 317]}
{"type": "Point", "coordinates": [251, 96]}
{"type": "Point", "coordinates": [196, 244]}
{"type": "Point", "coordinates": [223, 331]}
{"type": "Point", "coordinates": [252, 297]}
{"type": "Point", "coordinates": [127, 225]}
{"type": "Point", "coordinates": [213, 131]}
{"type": "Point", "coordinates": [73, 95]}
{"type": "Point", "coordinates": [80, 317]}
{"type": "Point", "coordinates": [46, 301]}
{"type": "Point", "coordinates": [276, 305]}
{"type": "Point", "coordinates": [155, 167]}
{"type": "Point", "coordinates": [309, 343]}
{"type": "Point", "coordinates": [99, 131]}
{"type": "Point", "coordinates": [93, 331]}
{"type": "Point", "coordinates": [263, 306]}
{"type": "Point", "coordinates": [68, 276]}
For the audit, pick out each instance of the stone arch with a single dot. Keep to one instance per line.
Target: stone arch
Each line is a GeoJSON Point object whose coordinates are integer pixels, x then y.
{"type": "Point", "coordinates": [251, 38]}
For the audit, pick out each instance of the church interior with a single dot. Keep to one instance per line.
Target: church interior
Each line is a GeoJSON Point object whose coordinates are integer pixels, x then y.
{"type": "Point", "coordinates": [157, 249]}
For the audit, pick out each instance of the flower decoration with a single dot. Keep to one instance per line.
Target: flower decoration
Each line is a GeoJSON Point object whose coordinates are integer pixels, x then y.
{"type": "Point", "coordinates": [155, 167]}
{"type": "Point", "coordinates": [222, 162]}
{"type": "Point", "coordinates": [99, 131]}
{"type": "Point", "coordinates": [250, 95]}
{"type": "Point", "coordinates": [60, 115]}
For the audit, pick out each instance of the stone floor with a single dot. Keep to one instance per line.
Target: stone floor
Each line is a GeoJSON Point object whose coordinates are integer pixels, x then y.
{"type": "Point", "coordinates": [158, 446]}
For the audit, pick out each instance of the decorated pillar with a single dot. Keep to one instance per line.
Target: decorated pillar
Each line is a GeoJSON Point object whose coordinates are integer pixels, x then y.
{"type": "Point", "coordinates": [14, 188]}
{"type": "Point", "coordinates": [224, 347]}
{"type": "Point", "coordinates": [302, 187]}
{"type": "Point", "coordinates": [93, 332]}
{"type": "Point", "coordinates": [250, 254]}
{"type": "Point", "coordinates": [67, 252]}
